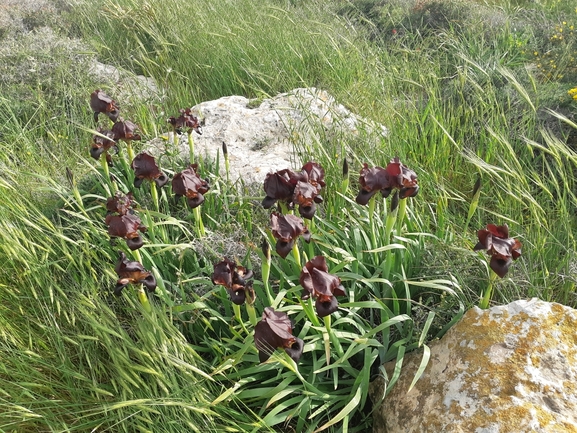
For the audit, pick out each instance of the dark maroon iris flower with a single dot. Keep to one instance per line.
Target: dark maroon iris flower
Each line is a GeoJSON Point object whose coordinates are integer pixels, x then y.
{"type": "Point", "coordinates": [502, 249]}
{"type": "Point", "coordinates": [280, 186]}
{"type": "Point", "coordinates": [402, 178]}
{"type": "Point", "coordinates": [145, 167]}
{"type": "Point", "coordinates": [234, 279]}
{"type": "Point", "coordinates": [132, 272]}
{"type": "Point", "coordinates": [306, 197]}
{"type": "Point", "coordinates": [102, 143]}
{"type": "Point", "coordinates": [275, 331]}
{"type": "Point", "coordinates": [315, 174]}
{"type": "Point", "coordinates": [125, 130]}
{"type": "Point", "coordinates": [188, 184]}
{"type": "Point", "coordinates": [286, 229]}
{"type": "Point", "coordinates": [384, 180]}
{"type": "Point", "coordinates": [100, 102]}
{"type": "Point", "coordinates": [185, 120]}
{"type": "Point", "coordinates": [120, 203]}
{"type": "Point", "coordinates": [126, 227]}
{"type": "Point", "coordinates": [372, 181]}
{"type": "Point", "coordinates": [301, 189]}
{"type": "Point", "coordinates": [322, 286]}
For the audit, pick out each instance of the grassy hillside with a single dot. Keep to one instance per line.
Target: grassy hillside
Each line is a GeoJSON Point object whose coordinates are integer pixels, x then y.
{"type": "Point", "coordinates": [480, 99]}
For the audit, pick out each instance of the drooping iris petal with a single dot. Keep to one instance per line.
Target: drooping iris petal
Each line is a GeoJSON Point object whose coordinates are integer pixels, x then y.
{"type": "Point", "coordinates": [100, 102]}
{"type": "Point", "coordinates": [275, 331]}
{"type": "Point", "coordinates": [372, 180]}
{"type": "Point", "coordinates": [279, 186]}
{"type": "Point", "coordinates": [322, 286]}
{"type": "Point", "coordinates": [132, 272]}
{"type": "Point", "coordinates": [502, 249]}
{"type": "Point", "coordinates": [188, 184]}
{"type": "Point", "coordinates": [285, 229]}
{"type": "Point", "coordinates": [127, 227]}
{"type": "Point", "coordinates": [394, 176]}
{"type": "Point", "coordinates": [145, 167]}
{"type": "Point", "coordinates": [305, 196]}
{"type": "Point", "coordinates": [326, 305]}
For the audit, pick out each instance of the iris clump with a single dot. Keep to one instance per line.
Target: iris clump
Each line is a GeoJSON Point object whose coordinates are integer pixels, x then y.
{"type": "Point", "coordinates": [100, 102]}
{"type": "Point", "coordinates": [122, 222]}
{"type": "Point", "coordinates": [126, 130]}
{"type": "Point", "coordinates": [145, 167]}
{"type": "Point", "coordinates": [185, 120]}
{"type": "Point", "coordinates": [102, 142]}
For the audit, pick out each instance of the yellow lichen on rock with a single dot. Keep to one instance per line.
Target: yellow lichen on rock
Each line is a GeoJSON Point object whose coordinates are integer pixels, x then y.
{"type": "Point", "coordinates": [508, 369]}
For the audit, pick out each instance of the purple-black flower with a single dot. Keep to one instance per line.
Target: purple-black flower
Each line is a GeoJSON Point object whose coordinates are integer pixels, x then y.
{"type": "Point", "coordinates": [275, 331]}
{"type": "Point", "coordinates": [322, 286]}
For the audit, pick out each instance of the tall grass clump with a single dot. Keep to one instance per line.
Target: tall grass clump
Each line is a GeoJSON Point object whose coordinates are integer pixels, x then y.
{"type": "Point", "coordinates": [203, 50]}
{"type": "Point", "coordinates": [76, 359]}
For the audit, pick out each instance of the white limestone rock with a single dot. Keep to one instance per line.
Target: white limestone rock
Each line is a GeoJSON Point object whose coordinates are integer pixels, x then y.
{"type": "Point", "coordinates": [512, 368]}
{"type": "Point", "coordinates": [126, 86]}
{"type": "Point", "coordinates": [266, 135]}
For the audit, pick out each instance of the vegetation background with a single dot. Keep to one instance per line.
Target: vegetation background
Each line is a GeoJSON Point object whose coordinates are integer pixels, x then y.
{"type": "Point", "coordinates": [468, 89]}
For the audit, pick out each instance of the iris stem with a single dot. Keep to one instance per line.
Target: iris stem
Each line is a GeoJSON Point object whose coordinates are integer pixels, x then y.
{"type": "Point", "coordinates": [154, 195]}
{"type": "Point", "coordinates": [283, 208]}
{"type": "Point", "coordinates": [372, 204]}
{"type": "Point", "coordinates": [130, 150]}
{"type": "Point", "coordinates": [142, 296]}
{"type": "Point", "coordinates": [265, 270]}
{"type": "Point", "coordinates": [238, 316]}
{"type": "Point", "coordinates": [106, 171]}
{"type": "Point", "coordinates": [227, 168]}
{"type": "Point", "coordinates": [251, 313]}
{"type": "Point", "coordinates": [402, 212]}
{"type": "Point", "coordinates": [310, 244]}
{"type": "Point", "coordinates": [389, 255]}
{"type": "Point", "coordinates": [191, 147]}
{"type": "Point", "coordinates": [198, 220]}
{"type": "Point", "coordinates": [389, 224]}
{"type": "Point", "coordinates": [297, 254]}
{"type": "Point", "coordinates": [484, 303]}
{"type": "Point", "coordinates": [333, 338]}
{"type": "Point", "coordinates": [345, 185]}
{"type": "Point", "coordinates": [175, 137]}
